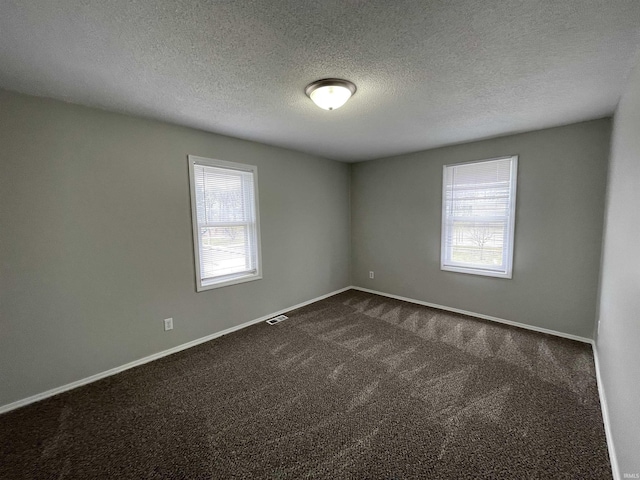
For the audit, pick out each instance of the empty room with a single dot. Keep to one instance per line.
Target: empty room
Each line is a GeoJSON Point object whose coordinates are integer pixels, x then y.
{"type": "Point", "coordinates": [350, 239]}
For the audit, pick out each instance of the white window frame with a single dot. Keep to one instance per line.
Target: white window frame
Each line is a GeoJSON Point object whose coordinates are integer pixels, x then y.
{"type": "Point", "coordinates": [232, 279]}
{"type": "Point", "coordinates": [446, 263]}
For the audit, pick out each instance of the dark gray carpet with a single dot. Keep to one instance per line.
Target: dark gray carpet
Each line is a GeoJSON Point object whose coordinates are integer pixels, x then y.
{"type": "Point", "coordinates": [355, 386]}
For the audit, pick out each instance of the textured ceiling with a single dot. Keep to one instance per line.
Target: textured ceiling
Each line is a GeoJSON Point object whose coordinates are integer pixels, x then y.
{"type": "Point", "coordinates": [429, 72]}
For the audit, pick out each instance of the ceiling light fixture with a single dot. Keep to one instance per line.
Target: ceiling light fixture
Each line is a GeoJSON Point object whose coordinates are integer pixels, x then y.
{"type": "Point", "coordinates": [330, 93]}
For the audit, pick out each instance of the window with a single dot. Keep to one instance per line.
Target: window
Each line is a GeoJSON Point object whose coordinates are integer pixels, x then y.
{"type": "Point", "coordinates": [226, 227]}
{"type": "Point", "coordinates": [478, 217]}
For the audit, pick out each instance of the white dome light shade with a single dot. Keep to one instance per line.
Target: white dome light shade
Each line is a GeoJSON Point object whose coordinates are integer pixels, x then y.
{"type": "Point", "coordinates": [330, 97]}
{"type": "Point", "coordinates": [330, 93]}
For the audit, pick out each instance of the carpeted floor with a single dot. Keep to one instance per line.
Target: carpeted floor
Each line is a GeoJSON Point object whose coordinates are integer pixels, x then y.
{"type": "Point", "coordinates": [356, 386]}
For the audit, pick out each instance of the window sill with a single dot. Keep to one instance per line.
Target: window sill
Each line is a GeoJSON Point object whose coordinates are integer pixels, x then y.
{"type": "Point", "coordinates": [213, 284]}
{"type": "Point", "coordinates": [476, 271]}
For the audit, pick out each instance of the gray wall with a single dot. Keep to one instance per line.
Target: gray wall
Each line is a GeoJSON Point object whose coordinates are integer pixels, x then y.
{"type": "Point", "coordinates": [618, 342]}
{"type": "Point", "coordinates": [396, 216]}
{"type": "Point", "coordinates": [96, 241]}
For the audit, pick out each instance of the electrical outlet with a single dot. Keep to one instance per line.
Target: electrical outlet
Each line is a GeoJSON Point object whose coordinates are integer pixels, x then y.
{"type": "Point", "coordinates": [168, 324]}
{"type": "Point", "coordinates": [370, 274]}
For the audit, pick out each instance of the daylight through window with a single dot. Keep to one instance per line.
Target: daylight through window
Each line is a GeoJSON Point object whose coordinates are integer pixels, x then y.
{"type": "Point", "coordinates": [225, 222]}
{"type": "Point", "coordinates": [478, 221]}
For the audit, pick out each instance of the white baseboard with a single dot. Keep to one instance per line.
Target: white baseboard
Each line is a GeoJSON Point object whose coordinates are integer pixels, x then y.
{"type": "Point", "coordinates": [480, 315]}
{"type": "Point", "coordinates": [98, 376]}
{"type": "Point", "coordinates": [605, 417]}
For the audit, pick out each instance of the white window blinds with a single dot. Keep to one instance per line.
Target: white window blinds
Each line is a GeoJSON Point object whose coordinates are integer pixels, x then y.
{"type": "Point", "coordinates": [478, 217]}
{"type": "Point", "coordinates": [225, 222]}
